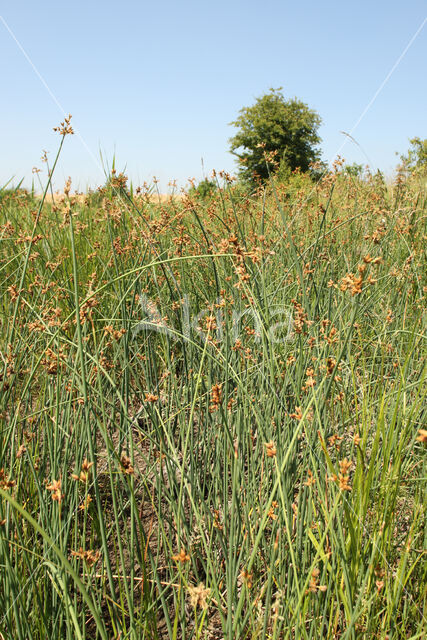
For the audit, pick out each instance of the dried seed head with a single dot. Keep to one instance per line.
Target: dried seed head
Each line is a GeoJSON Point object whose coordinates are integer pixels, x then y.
{"type": "Point", "coordinates": [55, 488]}
{"type": "Point", "coordinates": [127, 467]}
{"type": "Point", "coordinates": [270, 449]}
{"type": "Point", "coordinates": [89, 556]}
{"type": "Point", "coordinates": [181, 557]}
{"type": "Point", "coordinates": [151, 397]}
{"type": "Point", "coordinates": [65, 127]}
{"type": "Point", "coordinates": [198, 596]}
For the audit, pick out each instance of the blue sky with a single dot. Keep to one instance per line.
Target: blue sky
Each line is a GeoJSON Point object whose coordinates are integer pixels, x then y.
{"type": "Point", "coordinates": [157, 83]}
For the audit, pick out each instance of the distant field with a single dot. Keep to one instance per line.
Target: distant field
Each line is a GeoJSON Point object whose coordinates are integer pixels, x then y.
{"type": "Point", "coordinates": [59, 197]}
{"type": "Point", "coordinates": [213, 412]}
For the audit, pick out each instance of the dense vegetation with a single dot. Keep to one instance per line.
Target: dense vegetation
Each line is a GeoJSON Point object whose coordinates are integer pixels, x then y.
{"type": "Point", "coordinates": [213, 412]}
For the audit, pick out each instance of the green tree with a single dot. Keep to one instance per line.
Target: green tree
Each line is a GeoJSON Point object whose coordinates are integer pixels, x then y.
{"type": "Point", "coordinates": [355, 170]}
{"type": "Point", "coordinates": [416, 158]}
{"type": "Point", "coordinates": [282, 131]}
{"type": "Point", "coordinates": [205, 189]}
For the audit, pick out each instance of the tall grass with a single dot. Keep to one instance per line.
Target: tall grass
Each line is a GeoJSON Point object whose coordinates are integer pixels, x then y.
{"type": "Point", "coordinates": [210, 473]}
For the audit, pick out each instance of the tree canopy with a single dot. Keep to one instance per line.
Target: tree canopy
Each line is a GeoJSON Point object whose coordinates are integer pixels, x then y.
{"type": "Point", "coordinates": [416, 158]}
{"type": "Point", "coordinates": [283, 131]}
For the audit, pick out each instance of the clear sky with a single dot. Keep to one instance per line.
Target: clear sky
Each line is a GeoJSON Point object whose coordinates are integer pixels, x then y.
{"type": "Point", "coordinates": [157, 83]}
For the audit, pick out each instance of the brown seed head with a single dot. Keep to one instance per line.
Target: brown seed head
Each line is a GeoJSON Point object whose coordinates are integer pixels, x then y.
{"type": "Point", "coordinates": [270, 449]}
{"type": "Point", "coordinates": [181, 557]}
{"type": "Point", "coordinates": [198, 596]}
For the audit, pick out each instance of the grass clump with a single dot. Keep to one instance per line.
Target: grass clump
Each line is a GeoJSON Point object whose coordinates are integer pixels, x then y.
{"type": "Point", "coordinates": [213, 412]}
